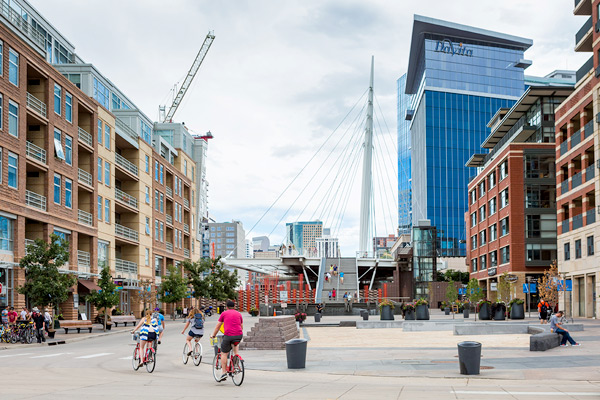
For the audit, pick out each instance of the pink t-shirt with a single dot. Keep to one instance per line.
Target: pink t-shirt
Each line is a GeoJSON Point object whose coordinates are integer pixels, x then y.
{"type": "Point", "coordinates": [232, 321]}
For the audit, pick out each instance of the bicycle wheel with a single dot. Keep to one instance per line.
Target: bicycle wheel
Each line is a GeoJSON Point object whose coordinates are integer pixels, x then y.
{"type": "Point", "coordinates": [237, 376]}
{"type": "Point", "coordinates": [135, 360]}
{"type": "Point", "coordinates": [197, 354]}
{"type": "Point", "coordinates": [150, 360]}
{"type": "Point", "coordinates": [184, 355]}
{"type": "Point", "coordinates": [30, 336]}
{"type": "Point", "coordinates": [216, 367]}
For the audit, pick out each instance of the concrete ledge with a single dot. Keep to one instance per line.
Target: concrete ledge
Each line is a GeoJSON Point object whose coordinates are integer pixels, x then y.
{"type": "Point", "coordinates": [378, 324]}
{"type": "Point", "coordinates": [423, 326]}
{"type": "Point", "coordinates": [490, 329]}
{"type": "Point", "coordinates": [543, 341]}
{"type": "Point", "coordinates": [348, 323]}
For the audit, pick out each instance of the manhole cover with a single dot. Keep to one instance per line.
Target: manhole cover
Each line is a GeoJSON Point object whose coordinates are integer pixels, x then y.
{"type": "Point", "coordinates": [484, 367]}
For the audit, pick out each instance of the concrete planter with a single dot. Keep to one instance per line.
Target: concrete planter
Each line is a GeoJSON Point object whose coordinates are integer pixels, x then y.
{"type": "Point", "coordinates": [387, 313]}
{"type": "Point", "coordinates": [409, 315]}
{"type": "Point", "coordinates": [466, 312]}
{"type": "Point", "coordinates": [517, 311]}
{"type": "Point", "coordinates": [499, 315]}
{"type": "Point", "coordinates": [447, 311]}
{"type": "Point", "coordinates": [422, 312]}
{"type": "Point", "coordinates": [485, 312]}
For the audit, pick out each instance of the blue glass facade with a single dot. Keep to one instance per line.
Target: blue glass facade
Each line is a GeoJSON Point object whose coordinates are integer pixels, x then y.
{"type": "Point", "coordinates": [453, 88]}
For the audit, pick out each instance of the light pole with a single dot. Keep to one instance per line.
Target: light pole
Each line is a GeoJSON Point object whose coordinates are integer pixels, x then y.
{"type": "Point", "coordinates": [529, 294]}
{"type": "Point", "coordinates": [564, 287]}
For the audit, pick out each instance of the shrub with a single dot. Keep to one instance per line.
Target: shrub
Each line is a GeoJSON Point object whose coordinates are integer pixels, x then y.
{"type": "Point", "coordinates": [386, 303]}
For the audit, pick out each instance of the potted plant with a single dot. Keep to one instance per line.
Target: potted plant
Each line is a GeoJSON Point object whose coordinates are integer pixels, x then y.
{"type": "Point", "coordinates": [253, 311]}
{"type": "Point", "coordinates": [422, 309]}
{"type": "Point", "coordinates": [409, 311]}
{"type": "Point", "coordinates": [516, 309]}
{"type": "Point", "coordinates": [300, 316]}
{"type": "Point", "coordinates": [485, 312]}
{"type": "Point", "coordinates": [499, 310]}
{"type": "Point", "coordinates": [56, 322]}
{"type": "Point", "coordinates": [443, 305]}
{"type": "Point", "coordinates": [51, 332]}
{"type": "Point", "coordinates": [385, 310]}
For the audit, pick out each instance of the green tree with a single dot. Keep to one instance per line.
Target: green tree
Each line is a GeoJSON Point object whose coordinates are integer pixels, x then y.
{"type": "Point", "coordinates": [451, 292]}
{"type": "Point", "coordinates": [44, 284]}
{"type": "Point", "coordinates": [173, 287]}
{"type": "Point", "coordinates": [107, 297]}
{"type": "Point", "coordinates": [547, 284]}
{"type": "Point", "coordinates": [474, 292]}
{"type": "Point", "coordinates": [451, 274]}
{"type": "Point", "coordinates": [211, 279]}
{"type": "Point", "coordinates": [504, 288]}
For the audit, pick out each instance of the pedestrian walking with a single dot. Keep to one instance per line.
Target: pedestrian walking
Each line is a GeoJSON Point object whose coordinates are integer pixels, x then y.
{"type": "Point", "coordinates": [342, 278]}
{"type": "Point", "coordinates": [543, 308]}
{"type": "Point", "coordinates": [331, 269]}
{"type": "Point", "coordinates": [39, 325]}
{"type": "Point", "coordinates": [330, 294]}
{"type": "Point", "coordinates": [47, 319]}
{"type": "Point", "coordinates": [333, 294]}
{"type": "Point", "coordinates": [335, 269]}
{"type": "Point", "coordinates": [557, 328]}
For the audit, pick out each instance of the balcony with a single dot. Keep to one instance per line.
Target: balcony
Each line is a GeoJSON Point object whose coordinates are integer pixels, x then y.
{"type": "Point", "coordinates": [576, 138]}
{"type": "Point", "coordinates": [85, 177]}
{"type": "Point", "coordinates": [126, 198]}
{"type": "Point", "coordinates": [36, 153]}
{"type": "Point", "coordinates": [35, 200]}
{"type": "Point", "coordinates": [169, 246]}
{"type": "Point", "coordinates": [577, 179]}
{"type": "Point", "coordinates": [22, 25]}
{"type": "Point", "coordinates": [564, 147]}
{"type": "Point", "coordinates": [35, 104]}
{"type": "Point", "coordinates": [126, 233]}
{"type": "Point", "coordinates": [85, 218]}
{"type": "Point", "coordinates": [186, 228]}
{"type": "Point", "coordinates": [169, 219]}
{"type": "Point", "coordinates": [126, 269]}
{"type": "Point", "coordinates": [83, 261]}
{"type": "Point", "coordinates": [186, 203]}
{"type": "Point", "coordinates": [588, 129]}
{"type": "Point", "coordinates": [28, 242]}
{"type": "Point", "coordinates": [582, 7]}
{"type": "Point", "coordinates": [583, 37]}
{"type": "Point", "coordinates": [169, 191]}
{"type": "Point", "coordinates": [85, 137]}
{"type": "Point", "coordinates": [590, 216]}
{"type": "Point", "coordinates": [585, 69]}
{"type": "Point", "coordinates": [565, 226]}
{"type": "Point", "coordinates": [577, 221]}
{"type": "Point", "coordinates": [122, 127]}
{"type": "Point", "coordinates": [186, 253]}
{"type": "Point", "coordinates": [564, 187]}
{"type": "Point", "coordinates": [590, 172]}
{"type": "Point", "coordinates": [126, 164]}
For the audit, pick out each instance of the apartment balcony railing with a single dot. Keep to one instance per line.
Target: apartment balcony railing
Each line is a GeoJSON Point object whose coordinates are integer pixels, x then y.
{"type": "Point", "coordinates": [590, 172]}
{"type": "Point", "coordinates": [84, 136]}
{"type": "Point", "coordinates": [565, 226]}
{"type": "Point", "coordinates": [169, 246]}
{"type": "Point", "coordinates": [126, 198]}
{"type": "Point", "coordinates": [522, 123]}
{"type": "Point", "coordinates": [85, 177]}
{"type": "Point", "coordinates": [590, 216]}
{"type": "Point", "coordinates": [585, 68]}
{"type": "Point", "coordinates": [186, 203]}
{"type": "Point", "coordinates": [85, 217]}
{"type": "Point", "coordinates": [585, 28]}
{"type": "Point", "coordinates": [126, 233]}
{"type": "Point", "coordinates": [564, 187]}
{"type": "Point", "coordinates": [22, 25]}
{"type": "Point", "coordinates": [36, 105]}
{"type": "Point", "coordinates": [186, 253]}
{"type": "Point", "coordinates": [564, 147]}
{"type": "Point", "coordinates": [186, 228]}
{"type": "Point", "coordinates": [126, 269]}
{"type": "Point", "coordinates": [125, 129]}
{"type": "Point", "coordinates": [169, 191]}
{"type": "Point", "coordinates": [577, 180]}
{"type": "Point", "coordinates": [35, 152]}
{"type": "Point", "coordinates": [588, 129]}
{"type": "Point", "coordinates": [28, 242]}
{"type": "Point", "coordinates": [83, 261]}
{"type": "Point", "coordinates": [576, 138]}
{"type": "Point", "coordinates": [126, 164]}
{"type": "Point", "coordinates": [35, 200]}
{"type": "Point", "coordinates": [577, 221]}
{"type": "Point", "coordinates": [169, 219]}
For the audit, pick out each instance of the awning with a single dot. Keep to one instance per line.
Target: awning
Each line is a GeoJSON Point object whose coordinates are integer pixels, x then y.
{"type": "Point", "coordinates": [89, 285]}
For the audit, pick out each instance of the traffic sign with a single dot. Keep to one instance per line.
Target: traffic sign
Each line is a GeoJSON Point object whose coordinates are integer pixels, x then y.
{"type": "Point", "coordinates": [560, 285]}
{"type": "Point", "coordinates": [529, 288]}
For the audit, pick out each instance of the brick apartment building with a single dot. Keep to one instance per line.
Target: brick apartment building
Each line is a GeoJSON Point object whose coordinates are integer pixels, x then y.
{"type": "Point", "coordinates": [511, 221]}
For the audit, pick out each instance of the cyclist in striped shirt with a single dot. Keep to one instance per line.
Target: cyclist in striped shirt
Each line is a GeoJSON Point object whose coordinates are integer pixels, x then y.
{"type": "Point", "coordinates": [149, 328]}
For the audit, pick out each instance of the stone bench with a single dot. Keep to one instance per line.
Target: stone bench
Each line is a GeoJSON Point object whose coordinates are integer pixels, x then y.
{"type": "Point", "coordinates": [542, 340]}
{"type": "Point", "coordinates": [66, 325]}
{"type": "Point", "coordinates": [122, 319]}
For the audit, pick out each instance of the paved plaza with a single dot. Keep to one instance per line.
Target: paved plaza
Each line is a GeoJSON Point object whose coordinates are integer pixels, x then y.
{"type": "Point", "coordinates": [342, 363]}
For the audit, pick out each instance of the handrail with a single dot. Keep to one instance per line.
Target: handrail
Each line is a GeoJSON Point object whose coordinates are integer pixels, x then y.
{"type": "Point", "coordinates": [169, 191]}
{"type": "Point", "coordinates": [511, 132]}
{"type": "Point", "coordinates": [83, 258]}
{"type": "Point", "coordinates": [85, 217]}
{"type": "Point", "coordinates": [84, 136]}
{"type": "Point", "coordinates": [186, 203]}
{"type": "Point", "coordinates": [35, 152]}
{"type": "Point", "coordinates": [35, 200]}
{"type": "Point", "coordinates": [126, 164]}
{"type": "Point", "coordinates": [186, 228]}
{"type": "Point", "coordinates": [577, 179]}
{"type": "Point", "coordinates": [24, 26]}
{"type": "Point", "coordinates": [576, 138]}
{"type": "Point", "coordinates": [36, 105]}
{"type": "Point", "coordinates": [590, 172]}
{"type": "Point", "coordinates": [564, 147]}
{"type": "Point", "coordinates": [127, 233]}
{"type": "Point", "coordinates": [169, 219]}
{"type": "Point", "coordinates": [126, 198]}
{"type": "Point", "coordinates": [169, 246]}
{"type": "Point", "coordinates": [588, 129]}
{"type": "Point", "coordinates": [585, 28]}
{"type": "Point", "coordinates": [84, 177]}
{"type": "Point", "coordinates": [186, 253]}
{"type": "Point", "coordinates": [127, 268]}
{"type": "Point", "coordinates": [590, 216]}
{"type": "Point", "coordinates": [122, 126]}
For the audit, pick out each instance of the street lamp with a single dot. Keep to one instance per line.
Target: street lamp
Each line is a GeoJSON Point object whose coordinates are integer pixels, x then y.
{"type": "Point", "coordinates": [564, 287]}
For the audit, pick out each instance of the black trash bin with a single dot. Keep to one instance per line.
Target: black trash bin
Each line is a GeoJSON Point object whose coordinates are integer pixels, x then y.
{"type": "Point", "coordinates": [469, 357]}
{"type": "Point", "coordinates": [364, 314]}
{"type": "Point", "coordinates": [317, 317]}
{"type": "Point", "coordinates": [295, 351]}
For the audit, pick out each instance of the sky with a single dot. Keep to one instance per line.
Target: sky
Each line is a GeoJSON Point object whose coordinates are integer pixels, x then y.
{"type": "Point", "coordinates": [278, 80]}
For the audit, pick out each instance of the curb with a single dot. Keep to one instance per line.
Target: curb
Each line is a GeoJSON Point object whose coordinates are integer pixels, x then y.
{"type": "Point", "coordinates": [54, 342]}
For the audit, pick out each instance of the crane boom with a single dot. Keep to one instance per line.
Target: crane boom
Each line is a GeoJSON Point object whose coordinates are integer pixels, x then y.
{"type": "Point", "coordinates": [210, 37]}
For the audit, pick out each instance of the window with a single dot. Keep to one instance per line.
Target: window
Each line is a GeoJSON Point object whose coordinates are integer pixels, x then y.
{"type": "Point", "coordinates": [147, 163]}
{"type": "Point", "coordinates": [179, 183]}
{"type": "Point", "coordinates": [482, 238]}
{"type": "Point", "coordinates": [504, 169]}
{"type": "Point", "coordinates": [0, 161]}
{"type": "Point", "coordinates": [482, 213]}
{"type": "Point", "coordinates": [229, 234]}
{"type": "Point", "coordinates": [503, 198]}
{"type": "Point", "coordinates": [504, 229]}
{"type": "Point", "coordinates": [68, 193]}
{"type": "Point", "coordinates": [540, 226]}
{"type": "Point", "coordinates": [161, 174]}
{"type": "Point", "coordinates": [69, 150]}
{"type": "Point", "coordinates": [482, 261]}
{"type": "Point", "coordinates": [590, 245]}
{"type": "Point", "coordinates": [68, 107]}
{"type": "Point", "coordinates": [1, 97]}
{"type": "Point", "coordinates": [99, 170]}
{"type": "Point", "coordinates": [58, 149]}
{"type": "Point", "coordinates": [99, 208]}
{"type": "Point", "coordinates": [492, 180]}
{"type": "Point", "coordinates": [147, 195]}
{"type": "Point", "coordinates": [494, 259]}
{"type": "Point", "coordinates": [567, 250]}
{"type": "Point", "coordinates": [192, 175]}
{"type": "Point", "coordinates": [107, 210]}
{"type": "Point", "coordinates": [13, 168]}
{"type": "Point", "coordinates": [156, 171]}
{"type": "Point", "coordinates": [162, 231]}
{"type": "Point", "coordinates": [578, 248]}
{"type": "Point", "coordinates": [99, 132]}
{"type": "Point", "coordinates": [492, 206]}
{"type": "Point", "coordinates": [540, 196]}
{"type": "Point", "coordinates": [57, 188]}
{"type": "Point", "coordinates": [473, 196]}
{"type": "Point", "coordinates": [13, 118]}
{"type": "Point", "coordinates": [474, 265]}
{"type": "Point", "coordinates": [505, 255]}
{"type": "Point", "coordinates": [156, 199]}
{"type": "Point", "coordinates": [147, 225]}
{"type": "Point", "coordinates": [185, 165]}
{"type": "Point", "coordinates": [493, 233]}
{"type": "Point", "coordinates": [175, 186]}
{"type": "Point", "coordinates": [539, 166]}
{"type": "Point", "coordinates": [473, 219]}
{"type": "Point", "coordinates": [57, 99]}
{"type": "Point", "coordinates": [155, 229]}
{"type": "Point", "coordinates": [106, 173]}
{"type": "Point", "coordinates": [541, 252]}
{"type": "Point", "coordinates": [6, 232]}
{"type": "Point", "coordinates": [162, 202]}
{"type": "Point", "coordinates": [13, 67]}
{"type": "Point", "coordinates": [101, 93]}
{"type": "Point", "coordinates": [146, 132]}
{"type": "Point", "coordinates": [107, 136]}
{"type": "Point", "coordinates": [229, 241]}
{"type": "Point", "coordinates": [482, 188]}
{"type": "Point", "coordinates": [74, 78]}
{"type": "Point", "coordinates": [147, 256]}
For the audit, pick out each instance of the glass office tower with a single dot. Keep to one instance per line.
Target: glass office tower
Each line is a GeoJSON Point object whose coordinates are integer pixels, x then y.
{"type": "Point", "coordinates": [404, 174]}
{"type": "Point", "coordinates": [457, 79]}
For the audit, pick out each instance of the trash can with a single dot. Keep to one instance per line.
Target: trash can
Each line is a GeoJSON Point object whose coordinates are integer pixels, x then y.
{"type": "Point", "coordinates": [466, 312]}
{"type": "Point", "coordinates": [295, 351]}
{"type": "Point", "coordinates": [469, 357]}
{"type": "Point", "coordinates": [317, 317]}
{"type": "Point", "coordinates": [364, 314]}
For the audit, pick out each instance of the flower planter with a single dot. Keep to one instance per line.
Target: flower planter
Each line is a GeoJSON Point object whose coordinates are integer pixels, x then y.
{"type": "Point", "coordinates": [51, 334]}
{"type": "Point", "coordinates": [499, 315]}
{"type": "Point", "coordinates": [56, 324]}
{"type": "Point", "coordinates": [386, 313]}
{"type": "Point", "coordinates": [447, 311]}
{"type": "Point", "coordinates": [254, 313]}
{"type": "Point", "coordinates": [422, 312]}
{"type": "Point", "coordinates": [409, 315]}
{"type": "Point", "coordinates": [517, 311]}
{"type": "Point", "coordinates": [485, 312]}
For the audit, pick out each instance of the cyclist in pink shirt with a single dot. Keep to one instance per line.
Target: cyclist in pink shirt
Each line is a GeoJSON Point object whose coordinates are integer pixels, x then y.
{"type": "Point", "coordinates": [234, 332]}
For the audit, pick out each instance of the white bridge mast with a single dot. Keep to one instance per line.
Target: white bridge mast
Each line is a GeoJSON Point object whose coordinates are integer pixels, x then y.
{"type": "Point", "coordinates": [367, 179]}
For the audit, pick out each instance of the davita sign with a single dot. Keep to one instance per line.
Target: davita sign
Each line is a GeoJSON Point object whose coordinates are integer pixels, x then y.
{"type": "Point", "coordinates": [449, 47]}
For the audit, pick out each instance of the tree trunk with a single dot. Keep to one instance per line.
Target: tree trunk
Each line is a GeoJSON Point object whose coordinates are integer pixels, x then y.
{"type": "Point", "coordinates": [105, 319]}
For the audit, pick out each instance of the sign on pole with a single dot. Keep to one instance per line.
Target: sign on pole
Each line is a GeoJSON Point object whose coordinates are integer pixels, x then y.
{"type": "Point", "coordinates": [529, 288]}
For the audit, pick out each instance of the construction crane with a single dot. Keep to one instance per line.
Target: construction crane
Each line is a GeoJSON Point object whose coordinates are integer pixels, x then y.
{"type": "Point", "coordinates": [168, 117]}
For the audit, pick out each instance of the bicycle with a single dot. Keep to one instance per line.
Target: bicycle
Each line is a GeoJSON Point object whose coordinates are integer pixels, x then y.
{"type": "Point", "coordinates": [234, 368]}
{"type": "Point", "coordinates": [24, 332]}
{"type": "Point", "coordinates": [150, 356]}
{"type": "Point", "coordinates": [196, 353]}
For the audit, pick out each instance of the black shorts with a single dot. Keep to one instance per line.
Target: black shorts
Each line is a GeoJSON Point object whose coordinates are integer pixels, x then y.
{"type": "Point", "coordinates": [149, 337]}
{"type": "Point", "coordinates": [194, 335]}
{"type": "Point", "coordinates": [227, 342]}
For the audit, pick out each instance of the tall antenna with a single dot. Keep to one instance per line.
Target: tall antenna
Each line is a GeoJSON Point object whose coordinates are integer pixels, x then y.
{"type": "Point", "coordinates": [367, 186]}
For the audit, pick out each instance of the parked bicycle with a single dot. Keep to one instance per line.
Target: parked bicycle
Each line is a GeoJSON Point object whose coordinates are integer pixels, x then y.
{"type": "Point", "coordinates": [235, 365]}
{"type": "Point", "coordinates": [149, 359]}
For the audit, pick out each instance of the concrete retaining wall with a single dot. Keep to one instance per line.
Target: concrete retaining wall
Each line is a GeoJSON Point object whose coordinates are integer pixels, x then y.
{"type": "Point", "coordinates": [378, 324]}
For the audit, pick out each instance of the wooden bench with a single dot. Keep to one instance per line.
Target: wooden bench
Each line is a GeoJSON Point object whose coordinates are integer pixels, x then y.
{"type": "Point", "coordinates": [122, 319]}
{"type": "Point", "coordinates": [76, 325]}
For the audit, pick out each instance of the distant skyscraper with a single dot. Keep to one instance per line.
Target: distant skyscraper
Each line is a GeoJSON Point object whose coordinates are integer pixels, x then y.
{"type": "Point", "coordinates": [303, 235]}
{"type": "Point", "coordinates": [228, 237]}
